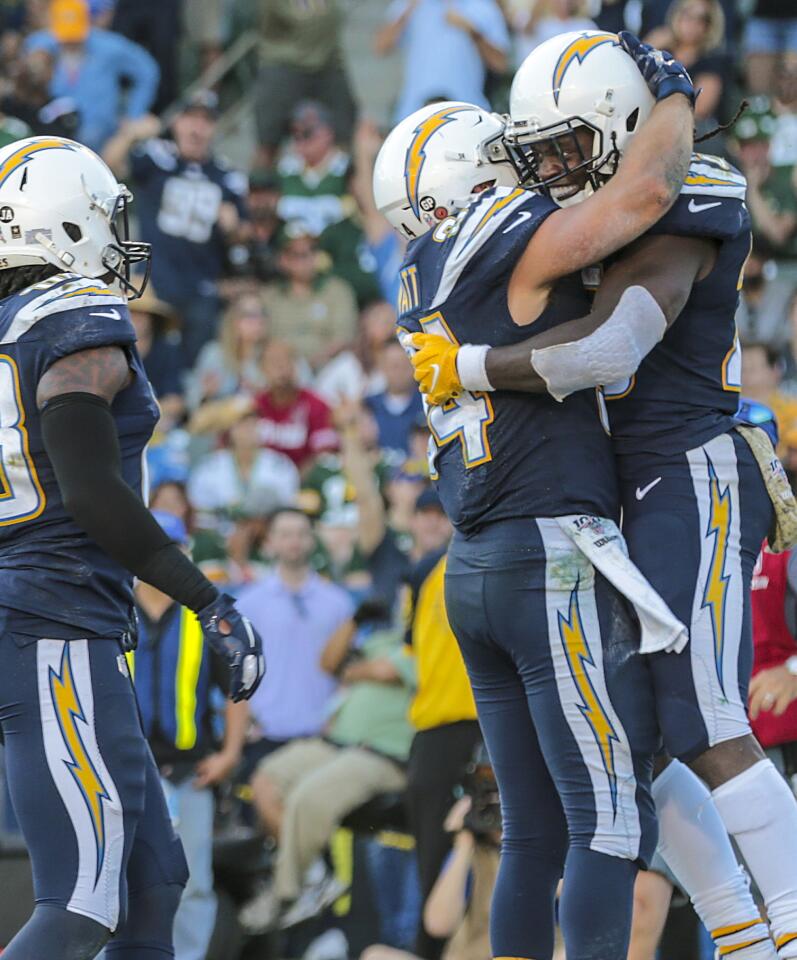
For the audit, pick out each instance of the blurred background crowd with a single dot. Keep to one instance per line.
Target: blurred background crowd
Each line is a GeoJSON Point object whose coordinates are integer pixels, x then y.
{"type": "Point", "coordinates": [290, 457]}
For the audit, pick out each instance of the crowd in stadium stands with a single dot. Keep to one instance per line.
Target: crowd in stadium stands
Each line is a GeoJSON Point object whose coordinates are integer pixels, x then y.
{"type": "Point", "coordinates": [291, 450]}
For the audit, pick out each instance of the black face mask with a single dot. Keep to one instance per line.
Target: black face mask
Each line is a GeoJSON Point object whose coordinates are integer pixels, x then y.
{"type": "Point", "coordinates": [527, 158]}
{"type": "Point", "coordinates": [123, 254]}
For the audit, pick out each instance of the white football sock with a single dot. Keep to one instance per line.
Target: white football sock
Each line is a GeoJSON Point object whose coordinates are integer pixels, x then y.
{"type": "Point", "coordinates": [760, 812]}
{"type": "Point", "coordinates": [694, 843]}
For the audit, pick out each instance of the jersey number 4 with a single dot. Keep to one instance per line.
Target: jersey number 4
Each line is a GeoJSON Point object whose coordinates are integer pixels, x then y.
{"type": "Point", "coordinates": [21, 494]}
{"type": "Point", "coordinates": [465, 419]}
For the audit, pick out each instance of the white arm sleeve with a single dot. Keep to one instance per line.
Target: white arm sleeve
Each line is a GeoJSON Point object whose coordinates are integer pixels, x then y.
{"type": "Point", "coordinates": [613, 352]}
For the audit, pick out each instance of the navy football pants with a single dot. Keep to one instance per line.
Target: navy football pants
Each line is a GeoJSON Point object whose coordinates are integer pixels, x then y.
{"type": "Point", "coordinates": [83, 784]}
{"type": "Point", "coordinates": [568, 718]}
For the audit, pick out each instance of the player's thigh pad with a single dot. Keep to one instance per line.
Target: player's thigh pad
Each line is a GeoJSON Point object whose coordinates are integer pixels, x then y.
{"type": "Point", "coordinates": [539, 605]}
{"type": "Point", "coordinates": [695, 536]}
{"type": "Point", "coordinates": [75, 759]}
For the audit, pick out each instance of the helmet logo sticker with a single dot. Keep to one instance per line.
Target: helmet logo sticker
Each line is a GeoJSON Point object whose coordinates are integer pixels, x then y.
{"type": "Point", "coordinates": [578, 50]}
{"type": "Point", "coordinates": [26, 153]}
{"type": "Point", "coordinates": [16, 233]}
{"type": "Point", "coordinates": [416, 151]}
{"type": "Point", "coordinates": [427, 203]}
{"type": "Point", "coordinates": [6, 214]}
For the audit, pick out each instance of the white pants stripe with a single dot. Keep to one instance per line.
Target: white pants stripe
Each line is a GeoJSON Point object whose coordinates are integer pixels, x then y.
{"type": "Point", "coordinates": [576, 649]}
{"type": "Point", "coordinates": [66, 703]}
{"type": "Point", "coordinates": [718, 605]}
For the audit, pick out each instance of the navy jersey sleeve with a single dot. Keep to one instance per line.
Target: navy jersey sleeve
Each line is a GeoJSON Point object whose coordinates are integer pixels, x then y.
{"type": "Point", "coordinates": [710, 204]}
{"type": "Point", "coordinates": [79, 315]}
{"type": "Point", "coordinates": [470, 256]}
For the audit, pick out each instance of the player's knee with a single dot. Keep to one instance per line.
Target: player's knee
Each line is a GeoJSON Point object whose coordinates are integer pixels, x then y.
{"type": "Point", "coordinates": [150, 917]}
{"type": "Point", "coordinates": [724, 761]}
{"type": "Point", "coordinates": [53, 931]}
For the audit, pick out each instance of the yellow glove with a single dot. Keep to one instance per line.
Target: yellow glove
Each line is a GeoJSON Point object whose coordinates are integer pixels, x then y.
{"type": "Point", "coordinates": [435, 367]}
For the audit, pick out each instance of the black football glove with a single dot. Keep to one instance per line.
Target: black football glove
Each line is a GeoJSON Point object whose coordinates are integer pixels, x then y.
{"type": "Point", "coordinates": [663, 74]}
{"type": "Point", "coordinates": [241, 648]}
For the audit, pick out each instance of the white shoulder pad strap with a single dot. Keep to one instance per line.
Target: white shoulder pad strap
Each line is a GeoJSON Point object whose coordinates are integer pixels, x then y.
{"type": "Point", "coordinates": [80, 292]}
{"type": "Point", "coordinates": [712, 176]}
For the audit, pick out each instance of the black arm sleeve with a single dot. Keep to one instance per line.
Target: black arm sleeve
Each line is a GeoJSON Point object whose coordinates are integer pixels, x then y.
{"type": "Point", "coordinates": [79, 436]}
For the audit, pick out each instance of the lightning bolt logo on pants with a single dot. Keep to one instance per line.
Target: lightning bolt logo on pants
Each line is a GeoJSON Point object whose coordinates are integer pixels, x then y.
{"type": "Point", "coordinates": [716, 589]}
{"type": "Point", "coordinates": [69, 712]}
{"type": "Point", "coordinates": [579, 657]}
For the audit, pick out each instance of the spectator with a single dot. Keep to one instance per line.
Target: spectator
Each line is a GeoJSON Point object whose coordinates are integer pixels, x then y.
{"type": "Point", "coordinates": [773, 688]}
{"type": "Point", "coordinates": [770, 43]}
{"type": "Point", "coordinates": [694, 33]}
{"type": "Point", "coordinates": [296, 613]}
{"type": "Point", "coordinates": [762, 371]}
{"type": "Point", "coordinates": [256, 256]}
{"type": "Point", "coordinates": [156, 26]}
{"type": "Point", "coordinates": [303, 791]}
{"type": "Point", "coordinates": [243, 476]}
{"type": "Point", "coordinates": [30, 100]}
{"type": "Point", "coordinates": [302, 59]}
{"type": "Point", "coordinates": [190, 206]}
{"type": "Point", "coordinates": [773, 208]}
{"type": "Point", "coordinates": [384, 244]}
{"type": "Point", "coordinates": [233, 363]}
{"type": "Point", "coordinates": [316, 314]}
{"type": "Point", "coordinates": [108, 77]}
{"type": "Point", "coordinates": [293, 421]}
{"type": "Point", "coordinates": [448, 48]}
{"type": "Point", "coordinates": [399, 405]}
{"type": "Point", "coordinates": [349, 250]}
{"type": "Point", "coordinates": [160, 354]}
{"type": "Point", "coordinates": [377, 327]}
{"type": "Point", "coordinates": [546, 19]}
{"type": "Point", "coordinates": [175, 673]}
{"type": "Point", "coordinates": [394, 530]}
{"type": "Point", "coordinates": [312, 173]}
{"type": "Point", "coordinates": [458, 907]}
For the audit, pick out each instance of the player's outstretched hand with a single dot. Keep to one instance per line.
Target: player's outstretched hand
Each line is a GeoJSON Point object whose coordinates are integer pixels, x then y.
{"type": "Point", "coordinates": [663, 74]}
{"type": "Point", "coordinates": [435, 367]}
{"type": "Point", "coordinates": [234, 638]}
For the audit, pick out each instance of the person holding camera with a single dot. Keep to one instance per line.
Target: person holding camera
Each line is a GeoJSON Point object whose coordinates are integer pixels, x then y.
{"type": "Point", "coordinates": [458, 907]}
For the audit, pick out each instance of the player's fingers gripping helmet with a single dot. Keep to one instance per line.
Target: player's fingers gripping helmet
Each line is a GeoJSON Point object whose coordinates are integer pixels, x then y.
{"type": "Point", "coordinates": [60, 204]}
{"type": "Point", "coordinates": [434, 160]}
{"type": "Point", "coordinates": [576, 80]}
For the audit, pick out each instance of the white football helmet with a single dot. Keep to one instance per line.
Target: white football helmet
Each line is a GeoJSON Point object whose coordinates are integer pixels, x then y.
{"type": "Point", "coordinates": [61, 205]}
{"type": "Point", "coordinates": [579, 79]}
{"type": "Point", "coordinates": [434, 160]}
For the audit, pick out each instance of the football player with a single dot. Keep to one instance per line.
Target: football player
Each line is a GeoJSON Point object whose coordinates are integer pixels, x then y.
{"type": "Point", "coordinates": [565, 708]}
{"type": "Point", "coordinates": [75, 414]}
{"type": "Point", "coordinates": [695, 506]}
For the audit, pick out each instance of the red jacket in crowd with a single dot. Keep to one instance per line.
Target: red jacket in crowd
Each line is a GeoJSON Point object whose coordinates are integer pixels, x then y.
{"type": "Point", "coordinates": [773, 643]}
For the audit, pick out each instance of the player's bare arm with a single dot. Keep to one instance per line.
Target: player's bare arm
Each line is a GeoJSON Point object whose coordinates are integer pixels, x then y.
{"type": "Point", "coordinates": [102, 372]}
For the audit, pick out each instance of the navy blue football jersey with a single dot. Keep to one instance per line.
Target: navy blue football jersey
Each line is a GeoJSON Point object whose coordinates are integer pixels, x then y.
{"type": "Point", "coordinates": [686, 390]}
{"type": "Point", "coordinates": [177, 205]}
{"type": "Point", "coordinates": [54, 581]}
{"type": "Point", "coordinates": [506, 454]}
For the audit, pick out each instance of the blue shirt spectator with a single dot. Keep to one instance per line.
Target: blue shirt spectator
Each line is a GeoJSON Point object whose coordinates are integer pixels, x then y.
{"type": "Point", "coordinates": [296, 612]}
{"type": "Point", "coordinates": [107, 76]}
{"type": "Point", "coordinates": [448, 46]}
